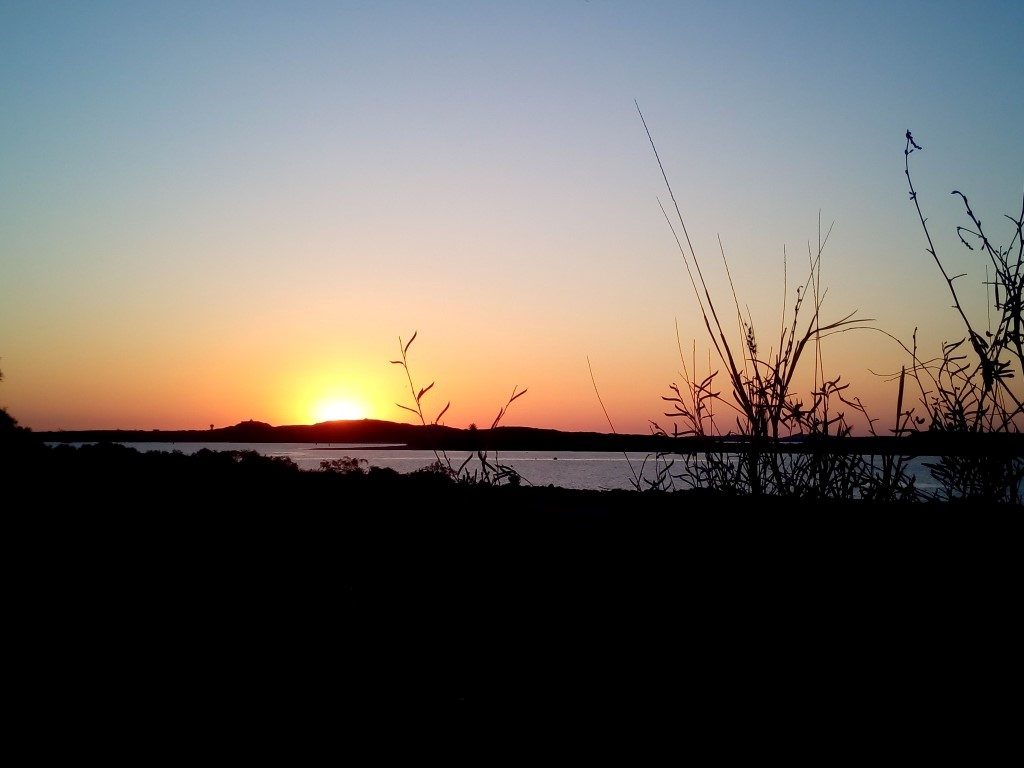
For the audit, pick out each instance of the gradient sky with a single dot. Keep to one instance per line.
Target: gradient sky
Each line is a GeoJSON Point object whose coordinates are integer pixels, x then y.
{"type": "Point", "coordinates": [216, 211]}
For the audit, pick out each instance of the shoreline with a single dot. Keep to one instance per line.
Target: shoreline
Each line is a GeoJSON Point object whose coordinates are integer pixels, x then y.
{"type": "Point", "coordinates": [372, 435]}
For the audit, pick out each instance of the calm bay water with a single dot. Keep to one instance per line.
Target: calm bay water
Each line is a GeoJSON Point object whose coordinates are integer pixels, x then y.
{"type": "Point", "coordinates": [596, 470]}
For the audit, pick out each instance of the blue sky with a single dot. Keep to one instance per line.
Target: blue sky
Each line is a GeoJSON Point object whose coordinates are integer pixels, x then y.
{"type": "Point", "coordinates": [217, 211]}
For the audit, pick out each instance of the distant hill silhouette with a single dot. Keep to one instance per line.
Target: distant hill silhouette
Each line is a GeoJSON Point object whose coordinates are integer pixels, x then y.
{"type": "Point", "coordinates": [375, 431]}
{"type": "Point", "coordinates": [439, 437]}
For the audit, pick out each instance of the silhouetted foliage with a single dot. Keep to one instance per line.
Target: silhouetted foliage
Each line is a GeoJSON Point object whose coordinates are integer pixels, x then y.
{"type": "Point", "coordinates": [489, 470]}
{"type": "Point", "coordinates": [17, 443]}
{"type": "Point", "coordinates": [960, 394]}
{"type": "Point", "coordinates": [346, 465]}
{"type": "Point", "coordinates": [762, 400]}
{"type": "Point", "coordinates": [974, 385]}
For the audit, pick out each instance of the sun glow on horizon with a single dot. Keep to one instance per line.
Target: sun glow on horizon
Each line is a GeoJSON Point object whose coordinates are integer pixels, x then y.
{"type": "Point", "coordinates": [339, 410]}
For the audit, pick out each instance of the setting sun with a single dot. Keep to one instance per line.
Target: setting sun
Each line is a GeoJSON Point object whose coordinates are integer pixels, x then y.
{"type": "Point", "coordinates": [339, 410]}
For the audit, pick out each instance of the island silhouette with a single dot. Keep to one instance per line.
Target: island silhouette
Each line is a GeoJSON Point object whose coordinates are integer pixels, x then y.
{"type": "Point", "coordinates": [376, 432]}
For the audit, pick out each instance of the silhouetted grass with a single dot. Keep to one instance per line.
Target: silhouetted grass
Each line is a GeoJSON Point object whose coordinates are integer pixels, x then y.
{"type": "Point", "coordinates": [974, 386]}
{"type": "Point", "coordinates": [763, 406]}
{"type": "Point", "coordinates": [488, 469]}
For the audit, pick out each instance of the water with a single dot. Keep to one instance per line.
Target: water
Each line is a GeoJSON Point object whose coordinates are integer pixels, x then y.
{"type": "Point", "coordinates": [595, 470]}
{"type": "Point", "coordinates": [568, 469]}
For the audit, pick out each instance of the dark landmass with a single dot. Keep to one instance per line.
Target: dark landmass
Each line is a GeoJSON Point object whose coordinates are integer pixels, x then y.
{"type": "Point", "coordinates": [375, 431]}
{"type": "Point", "coordinates": [247, 588]}
{"type": "Point", "coordinates": [529, 438]}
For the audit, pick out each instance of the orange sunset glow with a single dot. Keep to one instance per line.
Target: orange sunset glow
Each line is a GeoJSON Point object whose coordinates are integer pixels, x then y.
{"type": "Point", "coordinates": [207, 221]}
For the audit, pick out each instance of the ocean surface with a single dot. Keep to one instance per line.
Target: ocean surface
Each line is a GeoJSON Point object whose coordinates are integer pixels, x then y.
{"type": "Point", "coordinates": [595, 470]}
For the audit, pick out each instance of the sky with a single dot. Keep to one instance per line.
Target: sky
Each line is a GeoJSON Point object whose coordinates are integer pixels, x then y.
{"type": "Point", "coordinates": [220, 211]}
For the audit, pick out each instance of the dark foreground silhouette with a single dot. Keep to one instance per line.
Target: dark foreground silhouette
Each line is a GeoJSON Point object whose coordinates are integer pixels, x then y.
{"type": "Point", "coordinates": [234, 583]}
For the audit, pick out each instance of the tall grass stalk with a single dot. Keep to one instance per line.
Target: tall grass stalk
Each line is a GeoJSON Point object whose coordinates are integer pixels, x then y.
{"type": "Point", "coordinates": [639, 480]}
{"type": "Point", "coordinates": [763, 401]}
{"type": "Point", "coordinates": [489, 470]}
